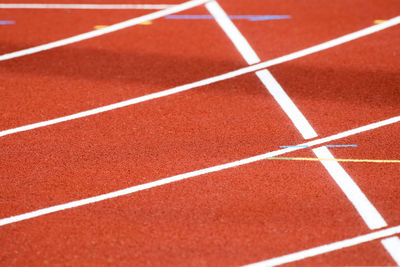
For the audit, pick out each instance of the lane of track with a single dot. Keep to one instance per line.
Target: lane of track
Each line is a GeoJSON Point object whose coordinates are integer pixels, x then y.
{"type": "Point", "coordinates": [129, 63]}
{"type": "Point", "coordinates": [216, 168]}
{"type": "Point", "coordinates": [232, 217]}
{"type": "Point", "coordinates": [301, 53]}
{"type": "Point", "coordinates": [212, 125]}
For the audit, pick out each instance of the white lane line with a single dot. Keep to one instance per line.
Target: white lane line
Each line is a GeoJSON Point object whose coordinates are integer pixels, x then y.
{"type": "Point", "coordinates": [392, 245]}
{"type": "Point", "coordinates": [301, 255]}
{"type": "Point", "coordinates": [248, 53]}
{"type": "Point", "coordinates": [203, 82]}
{"type": "Point", "coordinates": [82, 6]}
{"type": "Point", "coordinates": [338, 41]}
{"type": "Point", "coordinates": [233, 33]}
{"type": "Point", "coordinates": [106, 108]}
{"type": "Point", "coordinates": [164, 181]}
{"type": "Point", "coordinates": [346, 38]}
{"type": "Point", "coordinates": [364, 207]}
{"type": "Point", "coordinates": [102, 31]}
{"type": "Point", "coordinates": [291, 110]}
{"type": "Point", "coordinates": [367, 211]}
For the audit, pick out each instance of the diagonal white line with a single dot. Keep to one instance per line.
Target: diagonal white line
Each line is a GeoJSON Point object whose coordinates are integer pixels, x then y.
{"type": "Point", "coordinates": [364, 207]}
{"type": "Point", "coordinates": [392, 246]}
{"type": "Point", "coordinates": [109, 29]}
{"type": "Point", "coordinates": [248, 53]}
{"type": "Point", "coordinates": [232, 32]}
{"type": "Point", "coordinates": [328, 248]}
{"type": "Point", "coordinates": [192, 174]}
{"type": "Point", "coordinates": [368, 212]}
{"type": "Point", "coordinates": [288, 106]}
{"type": "Point", "coordinates": [82, 6]}
{"type": "Point", "coordinates": [211, 80]}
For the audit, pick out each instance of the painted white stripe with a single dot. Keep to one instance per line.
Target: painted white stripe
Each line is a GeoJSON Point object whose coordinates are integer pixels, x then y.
{"type": "Point", "coordinates": [105, 108]}
{"type": "Point", "coordinates": [361, 129]}
{"type": "Point", "coordinates": [346, 38]}
{"type": "Point", "coordinates": [338, 41]}
{"type": "Point", "coordinates": [102, 31]}
{"type": "Point", "coordinates": [364, 207]}
{"type": "Point", "coordinates": [294, 114]}
{"type": "Point", "coordinates": [82, 6]}
{"type": "Point", "coordinates": [392, 245]}
{"type": "Point", "coordinates": [189, 86]}
{"type": "Point", "coordinates": [367, 211]}
{"type": "Point", "coordinates": [248, 53]}
{"type": "Point", "coordinates": [232, 32]}
{"type": "Point", "coordinates": [328, 248]}
{"type": "Point", "coordinates": [179, 177]}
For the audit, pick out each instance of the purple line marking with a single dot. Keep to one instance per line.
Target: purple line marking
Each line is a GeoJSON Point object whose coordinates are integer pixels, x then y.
{"type": "Point", "coordinates": [341, 145]}
{"type": "Point", "coordinates": [6, 22]}
{"type": "Point", "coordinates": [246, 17]}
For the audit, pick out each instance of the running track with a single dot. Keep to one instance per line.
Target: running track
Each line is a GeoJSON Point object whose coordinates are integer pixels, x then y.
{"type": "Point", "coordinates": [180, 174]}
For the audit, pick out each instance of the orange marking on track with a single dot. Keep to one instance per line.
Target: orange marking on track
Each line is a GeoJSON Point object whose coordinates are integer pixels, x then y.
{"type": "Point", "coordinates": [146, 23]}
{"type": "Point", "coordinates": [98, 27]}
{"type": "Point", "coordinates": [378, 21]}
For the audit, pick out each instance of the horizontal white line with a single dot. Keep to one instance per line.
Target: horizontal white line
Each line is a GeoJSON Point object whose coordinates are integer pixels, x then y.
{"type": "Point", "coordinates": [102, 31]}
{"type": "Point", "coordinates": [207, 81]}
{"type": "Point", "coordinates": [179, 177]}
{"type": "Point", "coordinates": [83, 6]}
{"type": "Point", "coordinates": [328, 248]}
{"type": "Point", "coordinates": [232, 32]}
{"type": "Point", "coordinates": [291, 110]}
{"type": "Point", "coordinates": [364, 207]}
{"type": "Point", "coordinates": [392, 245]}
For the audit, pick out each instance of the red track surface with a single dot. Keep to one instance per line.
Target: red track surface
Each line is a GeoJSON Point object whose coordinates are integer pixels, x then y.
{"type": "Point", "coordinates": [236, 216]}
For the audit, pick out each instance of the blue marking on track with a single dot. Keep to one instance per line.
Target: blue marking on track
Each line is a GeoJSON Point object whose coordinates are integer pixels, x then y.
{"type": "Point", "coordinates": [294, 146]}
{"type": "Point", "coordinates": [245, 17]}
{"type": "Point", "coordinates": [6, 22]}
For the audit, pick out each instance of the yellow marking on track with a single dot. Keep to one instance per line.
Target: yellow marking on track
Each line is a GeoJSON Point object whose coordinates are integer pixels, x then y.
{"type": "Point", "coordinates": [146, 23]}
{"type": "Point", "coordinates": [98, 27]}
{"type": "Point", "coordinates": [343, 160]}
{"type": "Point", "coordinates": [377, 21]}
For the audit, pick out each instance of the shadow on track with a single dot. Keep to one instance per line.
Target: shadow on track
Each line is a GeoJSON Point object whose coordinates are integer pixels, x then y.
{"type": "Point", "coordinates": [120, 67]}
